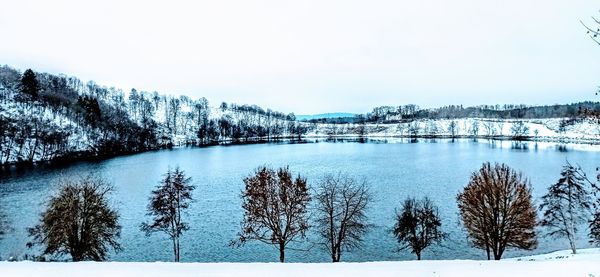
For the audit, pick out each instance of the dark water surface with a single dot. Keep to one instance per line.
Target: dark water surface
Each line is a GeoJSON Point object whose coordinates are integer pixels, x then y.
{"type": "Point", "coordinates": [395, 169]}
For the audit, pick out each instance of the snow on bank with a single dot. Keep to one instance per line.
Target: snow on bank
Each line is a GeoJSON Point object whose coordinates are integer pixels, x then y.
{"type": "Point", "coordinates": [586, 263]}
{"type": "Point", "coordinates": [549, 129]}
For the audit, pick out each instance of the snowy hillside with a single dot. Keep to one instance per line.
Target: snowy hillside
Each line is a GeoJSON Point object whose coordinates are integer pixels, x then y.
{"type": "Point", "coordinates": [46, 117]}
{"type": "Point", "coordinates": [552, 129]}
{"type": "Point", "coordinates": [585, 264]}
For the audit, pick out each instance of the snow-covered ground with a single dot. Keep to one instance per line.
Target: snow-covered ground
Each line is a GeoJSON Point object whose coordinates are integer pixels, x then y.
{"type": "Point", "coordinates": [589, 254]}
{"type": "Point", "coordinates": [581, 131]}
{"type": "Point", "coordinates": [585, 263]}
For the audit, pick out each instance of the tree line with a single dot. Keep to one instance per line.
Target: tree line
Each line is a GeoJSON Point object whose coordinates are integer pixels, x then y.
{"type": "Point", "coordinates": [448, 128]}
{"type": "Point", "coordinates": [411, 112]}
{"type": "Point", "coordinates": [495, 207]}
{"type": "Point", "coordinates": [48, 117]}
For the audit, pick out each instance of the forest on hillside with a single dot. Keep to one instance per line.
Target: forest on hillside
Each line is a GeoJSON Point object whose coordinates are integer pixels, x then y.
{"type": "Point", "coordinates": [48, 117]}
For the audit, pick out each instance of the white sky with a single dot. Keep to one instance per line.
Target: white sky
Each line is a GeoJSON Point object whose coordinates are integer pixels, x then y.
{"type": "Point", "coordinates": [315, 56]}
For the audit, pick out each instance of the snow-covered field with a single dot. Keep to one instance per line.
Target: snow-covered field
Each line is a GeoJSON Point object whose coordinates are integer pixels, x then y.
{"type": "Point", "coordinates": [583, 131]}
{"type": "Point", "coordinates": [585, 263]}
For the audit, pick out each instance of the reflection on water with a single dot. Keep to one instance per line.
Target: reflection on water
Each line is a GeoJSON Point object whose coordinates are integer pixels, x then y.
{"type": "Point", "coordinates": [562, 148]}
{"type": "Point", "coordinates": [518, 145]}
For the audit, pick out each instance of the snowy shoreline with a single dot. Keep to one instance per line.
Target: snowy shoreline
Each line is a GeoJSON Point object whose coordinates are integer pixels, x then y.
{"type": "Point", "coordinates": [558, 140]}
{"type": "Point", "coordinates": [559, 130]}
{"type": "Point", "coordinates": [550, 129]}
{"type": "Point", "coordinates": [560, 263]}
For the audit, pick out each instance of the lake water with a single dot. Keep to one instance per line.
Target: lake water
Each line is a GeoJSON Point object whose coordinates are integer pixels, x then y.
{"type": "Point", "coordinates": [395, 169]}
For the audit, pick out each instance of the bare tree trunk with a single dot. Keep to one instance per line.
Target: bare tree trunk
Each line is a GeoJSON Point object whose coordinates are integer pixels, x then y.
{"type": "Point", "coordinates": [175, 250]}
{"type": "Point", "coordinates": [571, 238]}
{"type": "Point", "coordinates": [178, 250]}
{"type": "Point", "coordinates": [338, 253]}
{"type": "Point", "coordinates": [571, 232]}
{"type": "Point", "coordinates": [281, 252]}
{"type": "Point", "coordinates": [498, 253]}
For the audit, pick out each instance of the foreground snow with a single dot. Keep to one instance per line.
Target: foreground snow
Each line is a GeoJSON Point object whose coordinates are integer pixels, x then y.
{"type": "Point", "coordinates": [561, 263]}
{"type": "Point", "coordinates": [590, 254]}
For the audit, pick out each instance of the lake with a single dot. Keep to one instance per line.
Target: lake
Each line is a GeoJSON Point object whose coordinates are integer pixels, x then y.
{"type": "Point", "coordinates": [395, 169]}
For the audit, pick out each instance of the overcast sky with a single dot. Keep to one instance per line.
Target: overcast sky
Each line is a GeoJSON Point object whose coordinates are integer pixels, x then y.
{"type": "Point", "coordinates": [315, 56]}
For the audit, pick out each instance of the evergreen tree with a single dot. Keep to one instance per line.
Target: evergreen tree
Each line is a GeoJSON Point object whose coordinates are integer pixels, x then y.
{"type": "Point", "coordinates": [566, 205]}
{"type": "Point", "coordinates": [595, 228]}
{"type": "Point", "coordinates": [30, 85]}
{"type": "Point", "coordinates": [594, 223]}
{"type": "Point", "coordinates": [167, 203]}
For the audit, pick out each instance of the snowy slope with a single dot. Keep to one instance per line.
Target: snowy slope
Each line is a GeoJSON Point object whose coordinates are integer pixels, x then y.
{"type": "Point", "coordinates": [539, 129]}
{"type": "Point", "coordinates": [587, 263]}
{"type": "Point", "coordinates": [78, 138]}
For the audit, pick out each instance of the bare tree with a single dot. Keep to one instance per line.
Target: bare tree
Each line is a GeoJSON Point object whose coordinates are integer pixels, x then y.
{"type": "Point", "coordinates": [497, 210]}
{"type": "Point", "coordinates": [519, 130]}
{"type": "Point", "coordinates": [401, 128]}
{"type": "Point", "coordinates": [414, 129]}
{"type": "Point", "coordinates": [474, 128]}
{"type": "Point", "coordinates": [361, 128]}
{"type": "Point", "coordinates": [78, 221]}
{"type": "Point", "coordinates": [453, 128]}
{"type": "Point", "coordinates": [490, 127]}
{"type": "Point", "coordinates": [418, 226]}
{"type": "Point", "coordinates": [167, 204]}
{"type": "Point", "coordinates": [500, 125]}
{"type": "Point", "coordinates": [341, 219]}
{"type": "Point", "coordinates": [593, 30]}
{"type": "Point", "coordinates": [275, 208]}
{"type": "Point", "coordinates": [566, 205]}
{"type": "Point", "coordinates": [432, 128]}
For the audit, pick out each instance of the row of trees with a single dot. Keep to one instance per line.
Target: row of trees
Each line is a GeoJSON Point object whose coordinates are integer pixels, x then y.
{"type": "Point", "coordinates": [79, 221]}
{"type": "Point", "coordinates": [483, 111]}
{"type": "Point", "coordinates": [497, 210]}
{"type": "Point", "coordinates": [475, 128]}
{"type": "Point", "coordinates": [276, 212]}
{"type": "Point", "coordinates": [495, 207]}
{"type": "Point", "coordinates": [404, 113]}
{"type": "Point", "coordinates": [471, 128]}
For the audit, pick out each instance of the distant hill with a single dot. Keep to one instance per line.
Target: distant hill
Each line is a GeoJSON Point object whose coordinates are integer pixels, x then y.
{"type": "Point", "coordinates": [324, 115]}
